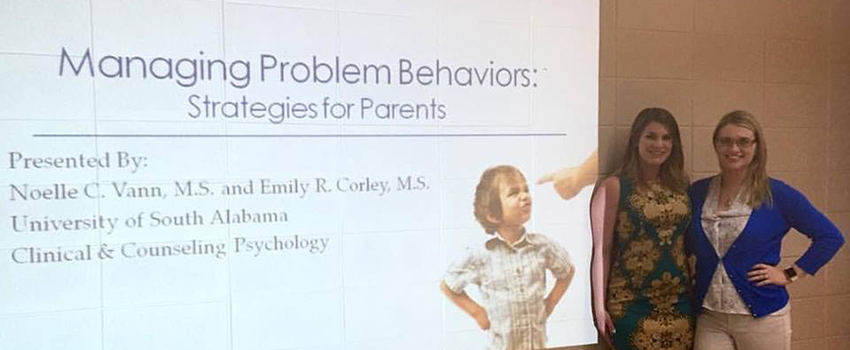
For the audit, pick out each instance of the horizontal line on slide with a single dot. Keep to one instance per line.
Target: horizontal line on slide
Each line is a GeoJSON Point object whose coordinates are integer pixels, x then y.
{"type": "Point", "coordinates": [291, 135]}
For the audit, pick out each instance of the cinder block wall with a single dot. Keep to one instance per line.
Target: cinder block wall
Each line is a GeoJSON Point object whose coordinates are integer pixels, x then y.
{"type": "Point", "coordinates": [788, 62]}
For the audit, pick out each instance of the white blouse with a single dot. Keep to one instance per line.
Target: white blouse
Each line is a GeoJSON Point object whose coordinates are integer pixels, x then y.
{"type": "Point", "coordinates": [722, 227]}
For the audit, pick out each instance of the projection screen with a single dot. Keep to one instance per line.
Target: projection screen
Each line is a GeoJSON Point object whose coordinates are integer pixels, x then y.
{"type": "Point", "coordinates": [286, 174]}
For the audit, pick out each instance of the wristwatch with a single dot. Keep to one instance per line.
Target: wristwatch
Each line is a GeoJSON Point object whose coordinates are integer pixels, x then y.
{"type": "Point", "coordinates": [791, 274]}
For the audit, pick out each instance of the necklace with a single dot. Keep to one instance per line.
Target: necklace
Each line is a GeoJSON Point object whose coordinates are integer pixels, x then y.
{"type": "Point", "coordinates": [726, 202]}
{"type": "Point", "coordinates": [725, 198]}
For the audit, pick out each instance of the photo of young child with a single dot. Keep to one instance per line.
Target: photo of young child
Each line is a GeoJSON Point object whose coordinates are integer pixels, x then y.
{"type": "Point", "coordinates": [510, 268]}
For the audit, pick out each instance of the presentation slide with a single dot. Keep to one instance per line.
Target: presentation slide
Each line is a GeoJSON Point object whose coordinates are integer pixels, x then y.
{"type": "Point", "coordinates": [295, 174]}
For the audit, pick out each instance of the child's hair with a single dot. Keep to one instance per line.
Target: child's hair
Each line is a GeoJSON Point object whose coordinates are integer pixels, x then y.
{"type": "Point", "coordinates": [487, 202]}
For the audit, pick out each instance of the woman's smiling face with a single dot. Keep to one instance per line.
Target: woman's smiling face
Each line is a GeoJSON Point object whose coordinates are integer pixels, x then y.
{"type": "Point", "coordinates": [655, 144]}
{"type": "Point", "coordinates": [735, 147]}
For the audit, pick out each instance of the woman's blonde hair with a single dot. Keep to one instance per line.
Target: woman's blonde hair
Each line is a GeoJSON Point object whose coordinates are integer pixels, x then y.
{"type": "Point", "coordinates": [672, 172]}
{"type": "Point", "coordinates": [756, 184]}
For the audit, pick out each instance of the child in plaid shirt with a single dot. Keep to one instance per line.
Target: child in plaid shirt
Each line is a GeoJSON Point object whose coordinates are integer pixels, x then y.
{"type": "Point", "coordinates": [510, 269]}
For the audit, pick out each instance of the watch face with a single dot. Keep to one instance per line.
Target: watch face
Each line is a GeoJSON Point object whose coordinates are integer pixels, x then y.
{"type": "Point", "coordinates": [791, 273]}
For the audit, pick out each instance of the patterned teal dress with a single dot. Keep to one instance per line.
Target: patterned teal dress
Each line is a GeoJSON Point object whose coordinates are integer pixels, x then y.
{"type": "Point", "coordinates": [649, 288]}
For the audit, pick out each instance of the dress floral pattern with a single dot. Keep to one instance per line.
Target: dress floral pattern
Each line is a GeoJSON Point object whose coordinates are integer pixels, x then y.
{"type": "Point", "coordinates": [649, 284]}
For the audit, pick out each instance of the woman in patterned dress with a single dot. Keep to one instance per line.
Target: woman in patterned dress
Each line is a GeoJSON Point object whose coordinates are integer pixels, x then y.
{"type": "Point", "coordinates": [641, 276]}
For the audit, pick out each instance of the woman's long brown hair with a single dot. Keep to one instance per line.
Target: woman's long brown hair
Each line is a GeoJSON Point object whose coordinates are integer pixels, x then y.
{"type": "Point", "coordinates": [672, 172]}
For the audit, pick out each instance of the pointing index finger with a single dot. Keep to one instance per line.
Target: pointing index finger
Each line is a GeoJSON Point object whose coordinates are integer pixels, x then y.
{"type": "Point", "coordinates": [545, 178]}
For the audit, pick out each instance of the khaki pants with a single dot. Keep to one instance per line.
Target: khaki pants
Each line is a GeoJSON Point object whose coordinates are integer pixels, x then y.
{"type": "Point", "coordinates": [721, 331]}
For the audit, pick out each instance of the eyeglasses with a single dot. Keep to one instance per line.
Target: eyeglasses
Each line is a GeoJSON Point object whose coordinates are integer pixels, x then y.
{"type": "Point", "coordinates": [727, 142]}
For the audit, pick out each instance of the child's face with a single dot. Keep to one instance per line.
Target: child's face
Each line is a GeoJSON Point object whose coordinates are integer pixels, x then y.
{"type": "Point", "coordinates": [516, 202]}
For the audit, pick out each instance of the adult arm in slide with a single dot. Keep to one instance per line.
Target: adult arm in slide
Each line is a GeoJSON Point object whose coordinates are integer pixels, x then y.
{"type": "Point", "coordinates": [569, 181]}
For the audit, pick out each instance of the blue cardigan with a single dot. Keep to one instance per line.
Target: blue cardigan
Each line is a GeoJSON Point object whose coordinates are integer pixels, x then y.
{"type": "Point", "coordinates": [761, 242]}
